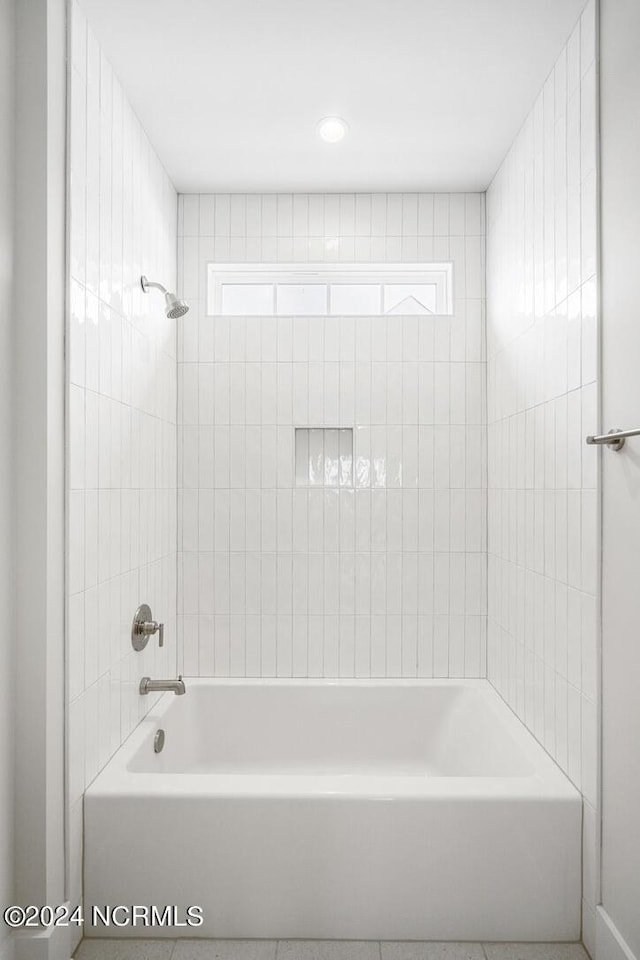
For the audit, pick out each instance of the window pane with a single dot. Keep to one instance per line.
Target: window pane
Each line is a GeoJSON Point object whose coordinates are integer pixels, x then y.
{"type": "Point", "coordinates": [302, 299]}
{"type": "Point", "coordinates": [410, 298]}
{"type": "Point", "coordinates": [247, 299]}
{"type": "Point", "coordinates": [355, 299]}
{"type": "Point", "coordinates": [338, 289]}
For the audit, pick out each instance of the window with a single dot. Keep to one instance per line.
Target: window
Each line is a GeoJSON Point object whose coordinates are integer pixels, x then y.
{"type": "Point", "coordinates": [307, 290]}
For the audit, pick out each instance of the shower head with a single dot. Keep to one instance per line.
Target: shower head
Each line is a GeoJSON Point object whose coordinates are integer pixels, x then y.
{"type": "Point", "coordinates": [174, 306]}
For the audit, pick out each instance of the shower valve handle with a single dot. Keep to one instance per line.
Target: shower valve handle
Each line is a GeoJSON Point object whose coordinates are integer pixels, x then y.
{"type": "Point", "coordinates": [144, 626]}
{"type": "Point", "coordinates": [150, 627]}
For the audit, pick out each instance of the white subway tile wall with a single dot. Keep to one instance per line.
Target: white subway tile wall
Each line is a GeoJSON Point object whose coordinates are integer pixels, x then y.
{"type": "Point", "coordinates": [121, 419]}
{"type": "Point", "coordinates": [542, 401]}
{"type": "Point", "coordinates": [386, 577]}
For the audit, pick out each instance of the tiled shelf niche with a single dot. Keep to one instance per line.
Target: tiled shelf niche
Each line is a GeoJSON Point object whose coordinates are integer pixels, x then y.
{"type": "Point", "coordinates": [324, 456]}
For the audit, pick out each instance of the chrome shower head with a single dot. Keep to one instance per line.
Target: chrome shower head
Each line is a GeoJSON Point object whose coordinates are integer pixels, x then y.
{"type": "Point", "coordinates": [174, 306]}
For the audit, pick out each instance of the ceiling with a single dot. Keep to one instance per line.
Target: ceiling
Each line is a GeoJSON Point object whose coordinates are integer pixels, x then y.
{"type": "Point", "coordinates": [230, 91]}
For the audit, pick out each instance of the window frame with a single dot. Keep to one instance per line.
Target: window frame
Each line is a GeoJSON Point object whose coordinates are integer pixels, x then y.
{"type": "Point", "coordinates": [437, 273]}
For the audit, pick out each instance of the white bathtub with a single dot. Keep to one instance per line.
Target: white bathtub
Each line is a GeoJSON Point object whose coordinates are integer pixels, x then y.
{"type": "Point", "coordinates": [349, 809]}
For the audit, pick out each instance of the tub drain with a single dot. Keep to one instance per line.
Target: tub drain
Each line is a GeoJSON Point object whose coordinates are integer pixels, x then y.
{"type": "Point", "coordinates": [158, 741]}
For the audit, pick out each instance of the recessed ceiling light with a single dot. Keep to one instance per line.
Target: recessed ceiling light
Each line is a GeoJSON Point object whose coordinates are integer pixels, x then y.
{"type": "Point", "coordinates": [332, 129]}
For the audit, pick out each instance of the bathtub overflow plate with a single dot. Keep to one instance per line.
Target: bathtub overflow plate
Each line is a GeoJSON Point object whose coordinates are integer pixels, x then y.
{"type": "Point", "coordinates": [158, 741]}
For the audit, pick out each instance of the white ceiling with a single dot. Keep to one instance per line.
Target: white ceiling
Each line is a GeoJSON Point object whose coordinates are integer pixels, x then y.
{"type": "Point", "coordinates": [230, 91]}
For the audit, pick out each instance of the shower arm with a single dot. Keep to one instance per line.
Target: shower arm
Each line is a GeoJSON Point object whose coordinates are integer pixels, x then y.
{"type": "Point", "coordinates": [147, 284]}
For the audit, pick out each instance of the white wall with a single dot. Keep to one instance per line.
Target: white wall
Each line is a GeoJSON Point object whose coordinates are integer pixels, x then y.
{"type": "Point", "coordinates": [382, 580]}
{"type": "Point", "coordinates": [620, 150]}
{"type": "Point", "coordinates": [7, 137]}
{"type": "Point", "coordinates": [122, 420]}
{"type": "Point", "coordinates": [37, 456]}
{"type": "Point", "coordinates": [542, 401]}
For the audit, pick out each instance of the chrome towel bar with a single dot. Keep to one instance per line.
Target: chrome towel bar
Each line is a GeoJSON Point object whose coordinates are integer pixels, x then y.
{"type": "Point", "coordinates": [614, 439]}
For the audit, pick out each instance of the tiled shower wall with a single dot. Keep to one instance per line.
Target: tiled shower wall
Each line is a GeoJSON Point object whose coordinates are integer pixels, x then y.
{"type": "Point", "coordinates": [542, 401]}
{"type": "Point", "coordinates": [387, 579]}
{"type": "Point", "coordinates": [122, 419]}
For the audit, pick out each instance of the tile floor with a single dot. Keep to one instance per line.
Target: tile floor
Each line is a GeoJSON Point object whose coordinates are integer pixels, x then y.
{"type": "Point", "coordinates": [322, 950]}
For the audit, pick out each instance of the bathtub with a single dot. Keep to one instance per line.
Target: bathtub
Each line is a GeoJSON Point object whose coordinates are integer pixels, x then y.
{"type": "Point", "coordinates": [347, 809]}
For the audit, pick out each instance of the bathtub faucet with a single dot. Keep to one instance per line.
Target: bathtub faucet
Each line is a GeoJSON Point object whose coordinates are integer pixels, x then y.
{"type": "Point", "coordinates": [147, 685]}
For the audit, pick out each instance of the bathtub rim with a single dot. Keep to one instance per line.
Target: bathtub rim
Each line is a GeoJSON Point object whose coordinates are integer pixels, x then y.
{"type": "Point", "coordinates": [547, 782]}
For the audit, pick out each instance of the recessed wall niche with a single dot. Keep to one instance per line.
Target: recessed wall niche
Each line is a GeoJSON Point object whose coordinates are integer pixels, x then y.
{"type": "Point", "coordinates": [324, 457]}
